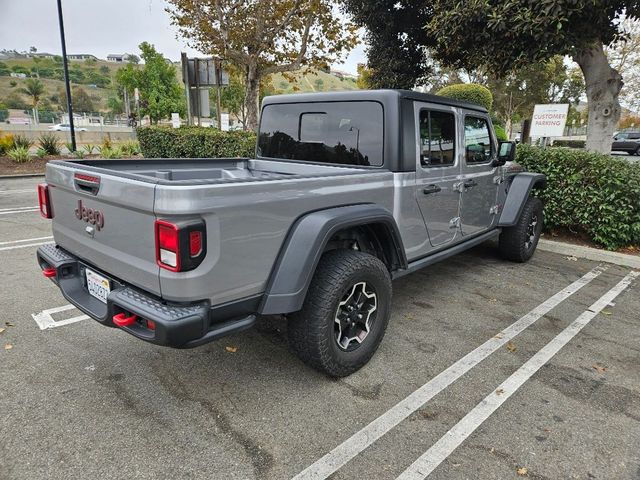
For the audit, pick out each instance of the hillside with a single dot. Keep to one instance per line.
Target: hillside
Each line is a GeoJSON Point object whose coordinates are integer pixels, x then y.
{"type": "Point", "coordinates": [97, 78]}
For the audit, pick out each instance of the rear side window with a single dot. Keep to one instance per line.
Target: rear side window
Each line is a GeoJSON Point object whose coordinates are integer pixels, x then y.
{"type": "Point", "coordinates": [437, 138]}
{"type": "Point", "coordinates": [350, 133]}
{"type": "Point", "coordinates": [477, 140]}
{"type": "Point", "coordinates": [634, 136]}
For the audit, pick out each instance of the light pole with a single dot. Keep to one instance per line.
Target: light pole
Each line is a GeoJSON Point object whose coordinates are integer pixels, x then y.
{"type": "Point", "coordinates": [66, 77]}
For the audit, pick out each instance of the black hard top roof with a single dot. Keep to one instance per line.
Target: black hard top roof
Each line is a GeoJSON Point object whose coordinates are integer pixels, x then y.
{"type": "Point", "coordinates": [380, 95]}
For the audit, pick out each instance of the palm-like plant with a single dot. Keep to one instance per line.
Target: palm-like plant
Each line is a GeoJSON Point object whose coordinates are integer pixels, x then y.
{"type": "Point", "coordinates": [35, 89]}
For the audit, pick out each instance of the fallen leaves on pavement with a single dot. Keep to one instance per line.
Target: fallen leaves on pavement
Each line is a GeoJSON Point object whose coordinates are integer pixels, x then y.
{"type": "Point", "coordinates": [2, 330]}
{"type": "Point", "coordinates": [9, 324]}
{"type": "Point", "coordinates": [572, 258]}
{"type": "Point", "coordinates": [231, 349]}
{"type": "Point", "coordinates": [511, 347]}
{"type": "Point", "coordinates": [499, 335]}
{"type": "Point", "coordinates": [499, 391]}
{"type": "Point", "coordinates": [522, 471]}
{"type": "Point", "coordinates": [8, 346]}
{"type": "Point", "coordinates": [599, 368]}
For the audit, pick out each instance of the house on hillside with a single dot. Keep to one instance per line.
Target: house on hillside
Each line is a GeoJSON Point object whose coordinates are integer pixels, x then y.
{"type": "Point", "coordinates": [81, 56]}
{"type": "Point", "coordinates": [118, 57]}
{"type": "Point", "coordinates": [343, 75]}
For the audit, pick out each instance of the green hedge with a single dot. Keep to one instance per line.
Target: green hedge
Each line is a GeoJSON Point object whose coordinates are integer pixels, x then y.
{"type": "Point", "coordinates": [501, 133]}
{"type": "Point", "coordinates": [588, 192]}
{"type": "Point", "coordinates": [469, 92]}
{"type": "Point", "coordinates": [194, 142]}
{"type": "Point", "coordinates": [569, 143]}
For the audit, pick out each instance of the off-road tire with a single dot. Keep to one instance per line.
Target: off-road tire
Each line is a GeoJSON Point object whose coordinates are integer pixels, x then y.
{"type": "Point", "coordinates": [311, 331]}
{"type": "Point", "coordinates": [513, 240]}
{"type": "Point", "coordinates": [637, 152]}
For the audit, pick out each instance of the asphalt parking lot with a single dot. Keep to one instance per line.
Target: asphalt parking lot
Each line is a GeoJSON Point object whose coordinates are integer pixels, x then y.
{"type": "Point", "coordinates": [489, 370]}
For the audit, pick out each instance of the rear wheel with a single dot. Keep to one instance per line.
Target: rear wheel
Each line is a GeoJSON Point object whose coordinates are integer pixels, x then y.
{"type": "Point", "coordinates": [518, 243]}
{"type": "Point", "coordinates": [345, 313]}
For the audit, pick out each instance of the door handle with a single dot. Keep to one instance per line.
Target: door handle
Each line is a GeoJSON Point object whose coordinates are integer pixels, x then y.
{"type": "Point", "coordinates": [470, 183]}
{"type": "Point", "coordinates": [431, 189]}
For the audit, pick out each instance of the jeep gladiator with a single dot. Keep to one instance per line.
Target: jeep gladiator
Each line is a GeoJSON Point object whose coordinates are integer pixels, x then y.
{"type": "Point", "coordinates": [347, 191]}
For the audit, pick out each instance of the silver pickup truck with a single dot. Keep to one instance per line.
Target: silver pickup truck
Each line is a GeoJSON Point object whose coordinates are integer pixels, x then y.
{"type": "Point", "coordinates": [347, 191]}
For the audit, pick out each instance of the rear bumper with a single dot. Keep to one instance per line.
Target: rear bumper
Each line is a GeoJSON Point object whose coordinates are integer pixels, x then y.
{"type": "Point", "coordinates": [170, 324]}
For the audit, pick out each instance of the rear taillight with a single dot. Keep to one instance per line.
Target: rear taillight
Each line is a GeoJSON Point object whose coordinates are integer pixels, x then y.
{"type": "Point", "coordinates": [44, 201]}
{"type": "Point", "coordinates": [180, 246]}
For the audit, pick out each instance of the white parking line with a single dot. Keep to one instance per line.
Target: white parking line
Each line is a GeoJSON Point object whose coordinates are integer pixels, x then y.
{"type": "Point", "coordinates": [26, 240]}
{"type": "Point", "coordinates": [22, 210]}
{"type": "Point", "coordinates": [362, 439]}
{"type": "Point", "coordinates": [430, 460]}
{"type": "Point", "coordinates": [14, 192]}
{"type": "Point", "coordinates": [46, 321]}
{"type": "Point", "coordinates": [17, 208]}
{"type": "Point", "coordinates": [14, 247]}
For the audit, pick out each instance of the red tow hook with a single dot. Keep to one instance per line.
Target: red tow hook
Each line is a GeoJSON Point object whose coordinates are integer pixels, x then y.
{"type": "Point", "coordinates": [122, 320]}
{"type": "Point", "coordinates": [49, 272]}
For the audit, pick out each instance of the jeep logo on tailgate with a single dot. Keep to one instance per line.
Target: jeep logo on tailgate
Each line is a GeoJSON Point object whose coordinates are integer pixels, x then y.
{"type": "Point", "coordinates": [94, 217]}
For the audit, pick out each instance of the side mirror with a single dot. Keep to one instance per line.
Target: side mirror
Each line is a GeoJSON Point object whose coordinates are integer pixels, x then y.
{"type": "Point", "coordinates": [506, 153]}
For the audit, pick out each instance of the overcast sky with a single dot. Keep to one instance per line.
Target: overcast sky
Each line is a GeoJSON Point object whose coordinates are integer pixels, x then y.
{"type": "Point", "coordinates": [100, 27]}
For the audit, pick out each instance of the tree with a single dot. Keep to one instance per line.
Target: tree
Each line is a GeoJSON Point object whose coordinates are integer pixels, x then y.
{"type": "Point", "coordinates": [516, 93]}
{"type": "Point", "coordinates": [397, 40]}
{"type": "Point", "coordinates": [624, 56]}
{"type": "Point", "coordinates": [80, 100]}
{"type": "Point", "coordinates": [262, 38]}
{"type": "Point", "coordinates": [160, 92]}
{"type": "Point", "coordinates": [232, 99]}
{"type": "Point", "coordinates": [33, 88]}
{"type": "Point", "coordinates": [504, 36]}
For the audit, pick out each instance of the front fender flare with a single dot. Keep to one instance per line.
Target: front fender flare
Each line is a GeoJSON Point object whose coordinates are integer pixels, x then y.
{"type": "Point", "coordinates": [517, 196]}
{"type": "Point", "coordinates": [305, 243]}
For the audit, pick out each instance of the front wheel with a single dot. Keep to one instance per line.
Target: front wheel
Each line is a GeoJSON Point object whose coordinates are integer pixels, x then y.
{"type": "Point", "coordinates": [519, 242]}
{"type": "Point", "coordinates": [344, 315]}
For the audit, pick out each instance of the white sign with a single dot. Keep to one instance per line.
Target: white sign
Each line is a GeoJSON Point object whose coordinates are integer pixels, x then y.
{"type": "Point", "coordinates": [224, 122]}
{"type": "Point", "coordinates": [175, 120]}
{"type": "Point", "coordinates": [549, 120]}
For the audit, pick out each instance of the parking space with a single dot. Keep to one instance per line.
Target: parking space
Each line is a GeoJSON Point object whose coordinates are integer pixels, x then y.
{"type": "Point", "coordinates": [488, 370]}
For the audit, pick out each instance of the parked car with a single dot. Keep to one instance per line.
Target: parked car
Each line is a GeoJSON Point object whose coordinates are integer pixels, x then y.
{"type": "Point", "coordinates": [18, 121]}
{"type": "Point", "coordinates": [627, 142]}
{"type": "Point", "coordinates": [65, 127]}
{"type": "Point", "coordinates": [347, 192]}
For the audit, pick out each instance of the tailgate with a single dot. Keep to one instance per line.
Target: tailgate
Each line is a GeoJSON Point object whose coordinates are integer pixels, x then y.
{"type": "Point", "coordinates": [107, 221]}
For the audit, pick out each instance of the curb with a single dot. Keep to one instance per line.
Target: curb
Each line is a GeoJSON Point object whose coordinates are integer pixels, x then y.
{"type": "Point", "coordinates": [22, 175]}
{"type": "Point", "coordinates": [589, 253]}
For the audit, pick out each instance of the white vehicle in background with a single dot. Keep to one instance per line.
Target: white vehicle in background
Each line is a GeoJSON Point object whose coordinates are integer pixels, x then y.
{"type": "Point", "coordinates": [65, 127]}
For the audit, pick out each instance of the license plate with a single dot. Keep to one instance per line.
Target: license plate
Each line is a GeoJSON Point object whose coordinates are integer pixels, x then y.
{"type": "Point", "coordinates": [98, 285]}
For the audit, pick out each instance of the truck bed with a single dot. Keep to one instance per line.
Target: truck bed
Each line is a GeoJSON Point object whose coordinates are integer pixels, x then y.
{"type": "Point", "coordinates": [206, 170]}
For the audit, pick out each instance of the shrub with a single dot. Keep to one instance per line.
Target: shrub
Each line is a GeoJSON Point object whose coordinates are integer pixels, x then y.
{"type": "Point", "coordinates": [88, 148]}
{"type": "Point", "coordinates": [569, 143]}
{"type": "Point", "coordinates": [49, 143]}
{"type": "Point", "coordinates": [106, 143]}
{"type": "Point", "coordinates": [130, 149]}
{"type": "Point", "coordinates": [6, 143]}
{"type": "Point", "coordinates": [195, 142]}
{"type": "Point", "coordinates": [501, 133]}
{"type": "Point", "coordinates": [79, 154]}
{"type": "Point", "coordinates": [21, 141]}
{"type": "Point", "coordinates": [41, 152]}
{"type": "Point", "coordinates": [19, 154]}
{"type": "Point", "coordinates": [469, 92]}
{"type": "Point", "coordinates": [69, 147]}
{"type": "Point", "coordinates": [111, 153]}
{"type": "Point", "coordinates": [590, 192]}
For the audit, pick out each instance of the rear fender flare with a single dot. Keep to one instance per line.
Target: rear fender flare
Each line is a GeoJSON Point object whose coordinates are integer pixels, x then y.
{"type": "Point", "coordinates": [517, 196]}
{"type": "Point", "coordinates": [305, 244]}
